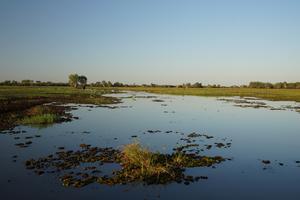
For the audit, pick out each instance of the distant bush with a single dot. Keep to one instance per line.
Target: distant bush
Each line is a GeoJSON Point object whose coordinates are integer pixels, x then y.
{"type": "Point", "coordinates": [280, 85]}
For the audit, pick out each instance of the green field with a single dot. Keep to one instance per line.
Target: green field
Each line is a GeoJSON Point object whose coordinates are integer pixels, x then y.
{"type": "Point", "coordinates": [268, 94]}
{"type": "Point", "coordinates": [25, 94]}
{"type": "Point", "coordinates": [7, 92]}
{"type": "Point", "coordinates": [47, 91]}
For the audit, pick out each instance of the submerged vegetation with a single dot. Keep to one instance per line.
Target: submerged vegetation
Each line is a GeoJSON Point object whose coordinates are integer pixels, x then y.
{"type": "Point", "coordinates": [138, 164]}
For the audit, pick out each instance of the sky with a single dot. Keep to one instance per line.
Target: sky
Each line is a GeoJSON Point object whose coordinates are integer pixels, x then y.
{"type": "Point", "coordinates": [151, 41]}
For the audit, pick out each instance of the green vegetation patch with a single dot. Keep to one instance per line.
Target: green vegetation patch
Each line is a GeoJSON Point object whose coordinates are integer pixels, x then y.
{"type": "Point", "coordinates": [140, 164]}
{"type": "Point", "coordinates": [137, 164]}
{"type": "Point", "coordinates": [40, 119]}
{"type": "Point", "coordinates": [44, 115]}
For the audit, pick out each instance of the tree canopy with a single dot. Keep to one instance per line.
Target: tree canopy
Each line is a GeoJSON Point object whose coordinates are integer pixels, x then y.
{"type": "Point", "coordinates": [77, 81]}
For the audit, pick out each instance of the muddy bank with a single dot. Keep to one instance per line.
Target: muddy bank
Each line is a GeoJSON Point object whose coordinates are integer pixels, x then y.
{"type": "Point", "coordinates": [36, 116]}
{"type": "Point", "coordinates": [18, 104]}
{"type": "Point", "coordinates": [13, 108]}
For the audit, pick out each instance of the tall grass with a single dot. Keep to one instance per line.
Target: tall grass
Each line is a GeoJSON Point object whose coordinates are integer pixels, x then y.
{"type": "Point", "coordinates": [138, 163]}
{"type": "Point", "coordinates": [146, 163]}
{"type": "Point", "coordinates": [40, 119]}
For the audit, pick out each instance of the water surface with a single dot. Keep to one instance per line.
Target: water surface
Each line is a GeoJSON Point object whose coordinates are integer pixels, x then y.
{"type": "Point", "coordinates": [255, 134]}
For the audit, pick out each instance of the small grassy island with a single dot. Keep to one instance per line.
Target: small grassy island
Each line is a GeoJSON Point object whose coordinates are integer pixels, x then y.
{"type": "Point", "coordinates": [137, 164]}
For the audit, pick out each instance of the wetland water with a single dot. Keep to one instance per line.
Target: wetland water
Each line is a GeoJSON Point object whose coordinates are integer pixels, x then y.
{"type": "Point", "coordinates": [161, 122]}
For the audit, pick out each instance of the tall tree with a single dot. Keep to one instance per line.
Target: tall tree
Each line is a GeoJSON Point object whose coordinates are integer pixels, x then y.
{"type": "Point", "coordinates": [82, 81]}
{"type": "Point", "coordinates": [73, 80]}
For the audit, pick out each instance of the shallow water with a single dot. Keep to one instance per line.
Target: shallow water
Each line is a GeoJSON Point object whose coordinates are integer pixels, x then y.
{"type": "Point", "coordinates": [255, 134]}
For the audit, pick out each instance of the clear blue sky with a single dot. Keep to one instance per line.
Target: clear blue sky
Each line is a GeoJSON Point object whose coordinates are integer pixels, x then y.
{"type": "Point", "coordinates": [144, 41]}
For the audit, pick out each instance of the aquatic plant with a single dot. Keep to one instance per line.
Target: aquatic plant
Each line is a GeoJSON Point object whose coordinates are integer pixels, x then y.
{"type": "Point", "coordinates": [40, 119]}
{"type": "Point", "coordinates": [143, 164]}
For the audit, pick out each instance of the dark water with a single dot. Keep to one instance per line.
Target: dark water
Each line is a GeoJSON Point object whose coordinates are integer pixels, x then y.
{"type": "Point", "coordinates": [255, 134]}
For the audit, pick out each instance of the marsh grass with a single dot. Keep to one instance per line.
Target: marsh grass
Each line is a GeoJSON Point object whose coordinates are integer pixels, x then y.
{"type": "Point", "coordinates": [140, 164]}
{"type": "Point", "coordinates": [146, 163]}
{"type": "Point", "coordinates": [41, 115]}
{"type": "Point", "coordinates": [40, 119]}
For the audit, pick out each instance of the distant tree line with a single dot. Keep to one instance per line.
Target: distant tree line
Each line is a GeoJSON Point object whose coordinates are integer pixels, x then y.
{"type": "Point", "coordinates": [184, 85]}
{"type": "Point", "coordinates": [107, 84]}
{"type": "Point", "coordinates": [31, 83]}
{"type": "Point", "coordinates": [80, 81]}
{"type": "Point", "coordinates": [280, 85]}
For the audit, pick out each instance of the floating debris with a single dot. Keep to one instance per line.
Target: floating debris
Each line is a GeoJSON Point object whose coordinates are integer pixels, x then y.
{"type": "Point", "coordinates": [250, 103]}
{"type": "Point", "coordinates": [191, 135]}
{"type": "Point", "coordinates": [153, 131]}
{"type": "Point", "coordinates": [158, 100]}
{"type": "Point", "coordinates": [86, 132]}
{"type": "Point", "coordinates": [222, 145]}
{"type": "Point", "coordinates": [266, 162]}
{"type": "Point", "coordinates": [22, 145]}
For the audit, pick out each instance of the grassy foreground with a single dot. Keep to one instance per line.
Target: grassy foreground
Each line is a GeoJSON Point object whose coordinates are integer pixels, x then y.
{"type": "Point", "coordinates": [268, 94]}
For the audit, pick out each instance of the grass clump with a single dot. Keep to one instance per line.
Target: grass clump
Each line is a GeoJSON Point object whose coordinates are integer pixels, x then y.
{"type": "Point", "coordinates": [42, 116]}
{"type": "Point", "coordinates": [144, 163]}
{"type": "Point", "coordinates": [40, 119]}
{"type": "Point", "coordinates": [141, 165]}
